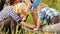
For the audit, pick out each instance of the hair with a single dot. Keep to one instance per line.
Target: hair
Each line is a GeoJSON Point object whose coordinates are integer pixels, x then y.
{"type": "Point", "coordinates": [20, 9]}
{"type": "Point", "coordinates": [42, 5]}
{"type": "Point", "coordinates": [12, 2]}
{"type": "Point", "coordinates": [2, 2]}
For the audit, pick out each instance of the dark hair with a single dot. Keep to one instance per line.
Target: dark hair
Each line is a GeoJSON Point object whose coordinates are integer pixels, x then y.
{"type": "Point", "coordinates": [2, 2]}
{"type": "Point", "coordinates": [12, 2]}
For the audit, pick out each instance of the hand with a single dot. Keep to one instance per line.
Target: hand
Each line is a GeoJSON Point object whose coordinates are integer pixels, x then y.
{"type": "Point", "coordinates": [35, 29]}
{"type": "Point", "coordinates": [33, 26]}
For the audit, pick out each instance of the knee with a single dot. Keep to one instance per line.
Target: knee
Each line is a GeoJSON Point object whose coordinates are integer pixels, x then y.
{"type": "Point", "coordinates": [33, 13]}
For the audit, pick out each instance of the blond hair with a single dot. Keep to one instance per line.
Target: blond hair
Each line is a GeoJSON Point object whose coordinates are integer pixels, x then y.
{"type": "Point", "coordinates": [20, 8]}
{"type": "Point", "coordinates": [42, 5]}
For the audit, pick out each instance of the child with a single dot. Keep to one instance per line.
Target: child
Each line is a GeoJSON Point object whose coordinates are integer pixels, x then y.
{"type": "Point", "coordinates": [48, 15]}
{"type": "Point", "coordinates": [20, 10]}
{"type": "Point", "coordinates": [11, 13]}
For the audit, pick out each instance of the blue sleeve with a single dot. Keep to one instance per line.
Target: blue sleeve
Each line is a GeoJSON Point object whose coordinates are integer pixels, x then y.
{"type": "Point", "coordinates": [41, 15]}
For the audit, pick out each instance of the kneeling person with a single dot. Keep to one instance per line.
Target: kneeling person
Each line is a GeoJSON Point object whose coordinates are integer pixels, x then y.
{"type": "Point", "coordinates": [9, 12]}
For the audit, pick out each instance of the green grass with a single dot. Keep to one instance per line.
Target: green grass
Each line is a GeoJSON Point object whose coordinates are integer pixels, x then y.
{"type": "Point", "coordinates": [30, 19]}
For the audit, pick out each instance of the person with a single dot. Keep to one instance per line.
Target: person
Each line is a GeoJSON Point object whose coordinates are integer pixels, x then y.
{"type": "Point", "coordinates": [48, 15]}
{"type": "Point", "coordinates": [34, 4]}
{"type": "Point", "coordinates": [9, 12]}
{"type": "Point", "coordinates": [4, 14]}
{"type": "Point", "coordinates": [19, 10]}
{"type": "Point", "coordinates": [9, 23]}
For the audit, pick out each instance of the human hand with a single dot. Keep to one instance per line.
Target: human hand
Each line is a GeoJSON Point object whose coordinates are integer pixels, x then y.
{"type": "Point", "coordinates": [35, 29]}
